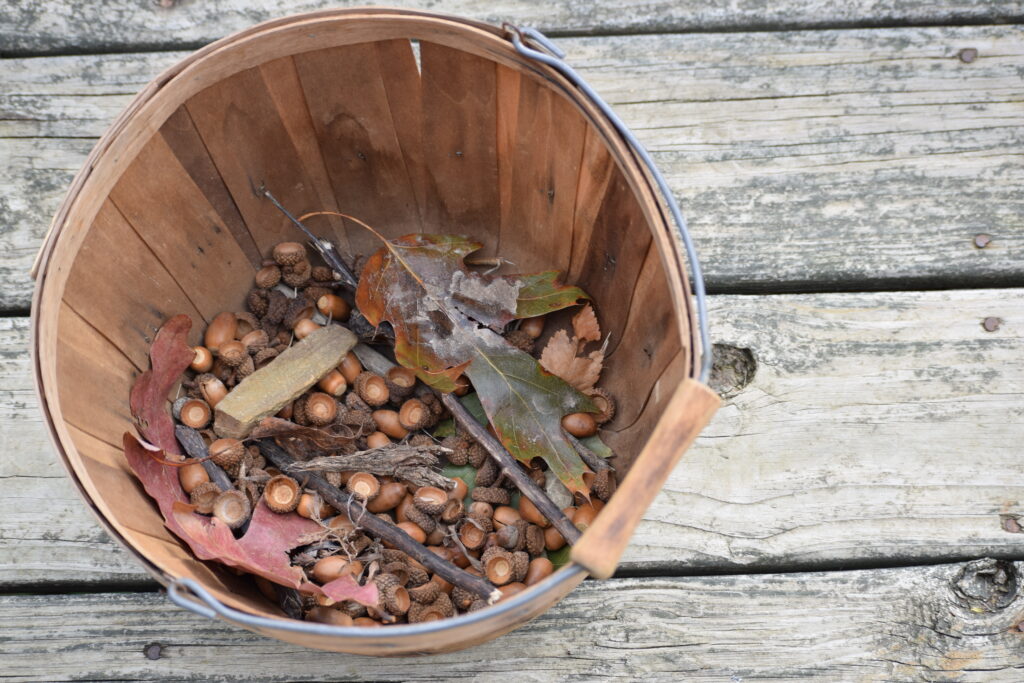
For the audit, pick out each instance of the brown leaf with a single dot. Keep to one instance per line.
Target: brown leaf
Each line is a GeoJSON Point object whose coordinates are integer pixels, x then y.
{"type": "Point", "coordinates": [303, 443]}
{"type": "Point", "coordinates": [560, 359]}
{"type": "Point", "coordinates": [585, 327]}
{"type": "Point", "coordinates": [170, 355]}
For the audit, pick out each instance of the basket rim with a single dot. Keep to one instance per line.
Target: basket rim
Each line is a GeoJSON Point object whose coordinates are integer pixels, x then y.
{"type": "Point", "coordinates": [641, 183]}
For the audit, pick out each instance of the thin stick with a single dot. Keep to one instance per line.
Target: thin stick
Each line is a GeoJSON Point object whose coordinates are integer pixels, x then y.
{"type": "Point", "coordinates": [593, 460]}
{"type": "Point", "coordinates": [415, 464]}
{"type": "Point", "coordinates": [196, 448]}
{"type": "Point", "coordinates": [510, 468]}
{"type": "Point", "coordinates": [342, 501]}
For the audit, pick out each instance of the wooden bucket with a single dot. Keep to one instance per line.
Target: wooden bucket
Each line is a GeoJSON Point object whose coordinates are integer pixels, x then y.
{"type": "Point", "coordinates": [413, 122]}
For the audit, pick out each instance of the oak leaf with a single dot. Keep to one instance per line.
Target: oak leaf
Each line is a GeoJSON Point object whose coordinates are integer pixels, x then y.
{"type": "Point", "coordinates": [563, 357]}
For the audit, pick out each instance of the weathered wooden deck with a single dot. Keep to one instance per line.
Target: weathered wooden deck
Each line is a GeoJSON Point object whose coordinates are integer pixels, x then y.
{"type": "Point", "coordinates": [836, 162]}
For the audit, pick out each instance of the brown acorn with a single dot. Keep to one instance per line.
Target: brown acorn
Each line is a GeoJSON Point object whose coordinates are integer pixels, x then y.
{"type": "Point", "coordinates": [322, 274]}
{"type": "Point", "coordinates": [453, 511]}
{"type": "Point", "coordinates": [321, 409]}
{"type": "Point", "coordinates": [232, 353]}
{"type": "Point", "coordinates": [504, 515]}
{"type": "Point", "coordinates": [390, 495]}
{"type": "Point", "coordinates": [352, 400]}
{"type": "Point", "coordinates": [430, 500]}
{"type": "Point", "coordinates": [192, 476]}
{"type": "Point", "coordinates": [333, 567]}
{"type": "Point", "coordinates": [255, 341]}
{"type": "Point", "coordinates": [202, 361]}
{"type": "Point", "coordinates": [276, 306]}
{"type": "Point", "coordinates": [289, 253]}
{"type": "Point", "coordinates": [534, 540]}
{"type": "Point", "coordinates": [580, 425]}
{"type": "Point", "coordinates": [400, 570]}
{"type": "Point", "coordinates": [333, 383]}
{"type": "Point", "coordinates": [195, 413]}
{"type": "Point", "coordinates": [268, 276]}
{"type": "Point", "coordinates": [529, 512]}
{"type": "Point", "coordinates": [350, 367]}
{"type": "Point", "coordinates": [419, 440]}
{"type": "Point", "coordinates": [389, 422]}
{"type": "Point", "coordinates": [603, 484]}
{"type": "Point", "coordinates": [297, 310]}
{"type": "Point", "coordinates": [510, 589]}
{"type": "Point", "coordinates": [203, 495]}
{"type": "Point", "coordinates": [263, 357]}
{"type": "Point", "coordinates": [488, 473]}
{"type": "Point", "coordinates": [420, 518]}
{"type": "Point", "coordinates": [459, 447]}
{"type": "Point", "coordinates": [521, 340]}
{"type": "Point", "coordinates": [246, 368]}
{"type": "Point", "coordinates": [462, 386]}
{"type": "Point", "coordinates": [462, 598]}
{"type": "Point", "coordinates": [227, 453]}
{"type": "Point", "coordinates": [247, 322]}
{"type": "Point", "coordinates": [304, 328]}
{"type": "Point", "coordinates": [378, 440]}
{"type": "Point", "coordinates": [393, 596]}
{"type": "Point", "coordinates": [297, 275]}
{"type": "Point", "coordinates": [508, 537]}
{"type": "Point", "coordinates": [312, 507]}
{"type": "Point", "coordinates": [258, 302]}
{"type": "Point", "coordinates": [533, 327]}
{"type": "Point", "coordinates": [605, 405]}
{"type": "Point", "coordinates": [553, 540]}
{"type": "Point", "coordinates": [540, 568]}
{"type": "Point", "coordinates": [401, 381]}
{"type": "Point", "coordinates": [460, 491]}
{"type": "Point", "coordinates": [498, 566]}
{"type": "Point", "coordinates": [333, 306]}
{"type": "Point", "coordinates": [232, 508]}
{"type": "Point", "coordinates": [212, 388]}
{"type": "Point", "coordinates": [299, 411]}
{"type": "Point", "coordinates": [426, 593]}
{"type": "Point", "coordinates": [480, 510]}
{"type": "Point", "coordinates": [221, 329]}
{"type": "Point", "coordinates": [329, 615]}
{"type": "Point", "coordinates": [282, 494]}
{"type": "Point", "coordinates": [520, 565]}
{"type": "Point", "coordinates": [372, 389]}
{"type": "Point", "coordinates": [363, 486]}
{"type": "Point", "coordinates": [417, 575]}
{"type": "Point", "coordinates": [477, 455]}
{"type": "Point", "coordinates": [471, 534]}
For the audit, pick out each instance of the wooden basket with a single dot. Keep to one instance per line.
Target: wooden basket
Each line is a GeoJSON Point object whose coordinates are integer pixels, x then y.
{"type": "Point", "coordinates": [413, 122]}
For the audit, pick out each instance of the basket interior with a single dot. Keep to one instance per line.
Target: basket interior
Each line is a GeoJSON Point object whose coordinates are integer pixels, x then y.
{"type": "Point", "coordinates": [408, 136]}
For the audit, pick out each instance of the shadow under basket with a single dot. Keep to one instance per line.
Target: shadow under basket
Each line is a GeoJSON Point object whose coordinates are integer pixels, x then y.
{"type": "Point", "coordinates": [412, 122]}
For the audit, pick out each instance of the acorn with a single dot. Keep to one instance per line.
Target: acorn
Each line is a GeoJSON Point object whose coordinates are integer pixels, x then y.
{"type": "Point", "coordinates": [508, 537]}
{"type": "Point", "coordinates": [488, 473]}
{"type": "Point", "coordinates": [430, 500]}
{"type": "Point", "coordinates": [420, 518]}
{"type": "Point", "coordinates": [232, 353]}
{"type": "Point", "coordinates": [312, 507]}
{"type": "Point", "coordinates": [403, 507]}
{"type": "Point", "coordinates": [350, 367]}
{"type": "Point", "coordinates": [222, 371]}
{"type": "Point", "coordinates": [419, 440]}
{"type": "Point", "coordinates": [389, 422]}
{"type": "Point", "coordinates": [520, 565]}
{"type": "Point", "coordinates": [322, 274]}
{"type": "Point", "coordinates": [297, 275]}
{"type": "Point", "coordinates": [321, 409]}
{"type": "Point", "coordinates": [529, 512]}
{"type": "Point", "coordinates": [453, 511]}
{"type": "Point", "coordinates": [378, 440]}
{"type": "Point", "coordinates": [418, 575]}
{"type": "Point", "coordinates": [605, 405]}
{"type": "Point", "coordinates": [352, 400]}
{"type": "Point", "coordinates": [299, 411]}
{"type": "Point", "coordinates": [255, 341]}
{"type": "Point", "coordinates": [366, 622]}
{"type": "Point", "coordinates": [333, 306]}
{"type": "Point", "coordinates": [202, 361]}
{"type": "Point", "coordinates": [221, 329]}
{"type": "Point", "coordinates": [227, 453]}
{"type": "Point", "coordinates": [462, 386]}
{"type": "Point", "coordinates": [510, 589]}
{"type": "Point", "coordinates": [534, 540]}
{"type": "Point", "coordinates": [580, 425]}
{"type": "Point", "coordinates": [195, 413]}
{"type": "Point", "coordinates": [460, 490]}
{"type": "Point", "coordinates": [462, 598]}
{"type": "Point", "coordinates": [289, 253]}
{"type": "Point", "coordinates": [459, 447]}
{"type": "Point", "coordinates": [329, 615]}
{"type": "Point", "coordinates": [521, 340]}
{"type": "Point", "coordinates": [539, 569]}
{"type": "Point", "coordinates": [400, 381]}
{"type": "Point", "coordinates": [304, 328]}
{"type": "Point", "coordinates": [282, 494]}
{"type": "Point", "coordinates": [363, 486]}
{"type": "Point", "coordinates": [313, 292]}
{"type": "Point", "coordinates": [584, 517]}
{"type": "Point", "coordinates": [393, 596]}
{"type": "Point", "coordinates": [268, 277]}
{"type": "Point", "coordinates": [232, 508]}
{"type": "Point", "coordinates": [372, 389]}
{"type": "Point", "coordinates": [203, 495]}
{"type": "Point", "coordinates": [552, 539]}
{"type": "Point", "coordinates": [498, 566]}
{"type": "Point", "coordinates": [426, 593]}
{"type": "Point", "coordinates": [276, 306]}
{"type": "Point", "coordinates": [480, 510]}
{"type": "Point", "coordinates": [602, 484]}
{"type": "Point", "coordinates": [333, 383]}
{"type": "Point", "coordinates": [390, 495]}
{"type": "Point", "coordinates": [471, 534]}
{"type": "Point", "coordinates": [247, 322]}
{"type": "Point", "coordinates": [441, 608]}
{"type": "Point", "coordinates": [477, 455]}
{"type": "Point", "coordinates": [477, 605]}
{"type": "Point", "coordinates": [533, 327]}
{"type": "Point", "coordinates": [258, 302]}
{"type": "Point", "coordinates": [263, 357]}
{"type": "Point", "coordinates": [212, 389]}
{"type": "Point", "coordinates": [505, 515]}
{"type": "Point", "coordinates": [191, 476]}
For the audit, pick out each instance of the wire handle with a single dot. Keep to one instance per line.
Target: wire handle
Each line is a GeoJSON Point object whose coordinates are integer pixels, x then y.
{"type": "Point", "coordinates": [554, 57]}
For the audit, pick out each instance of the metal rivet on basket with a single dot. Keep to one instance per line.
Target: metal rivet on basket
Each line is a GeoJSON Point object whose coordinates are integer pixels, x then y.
{"type": "Point", "coordinates": [981, 240]}
{"type": "Point", "coordinates": [991, 324]}
{"type": "Point", "coordinates": [967, 55]}
{"type": "Point", "coordinates": [153, 650]}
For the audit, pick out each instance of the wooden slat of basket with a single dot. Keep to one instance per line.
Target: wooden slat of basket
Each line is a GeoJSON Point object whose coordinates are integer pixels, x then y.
{"type": "Point", "coordinates": [459, 141]}
{"type": "Point", "coordinates": [242, 124]}
{"type": "Point", "coordinates": [347, 98]}
{"type": "Point", "coordinates": [185, 233]}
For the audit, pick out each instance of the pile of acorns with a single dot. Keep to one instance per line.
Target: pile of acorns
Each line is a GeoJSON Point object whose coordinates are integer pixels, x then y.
{"type": "Point", "coordinates": [490, 537]}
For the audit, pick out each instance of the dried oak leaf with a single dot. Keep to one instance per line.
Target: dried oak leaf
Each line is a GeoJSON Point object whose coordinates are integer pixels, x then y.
{"type": "Point", "coordinates": [263, 550]}
{"type": "Point", "coordinates": [585, 327]}
{"type": "Point", "coordinates": [303, 443]}
{"type": "Point", "coordinates": [445, 319]}
{"type": "Point", "coordinates": [169, 356]}
{"type": "Point", "coordinates": [562, 356]}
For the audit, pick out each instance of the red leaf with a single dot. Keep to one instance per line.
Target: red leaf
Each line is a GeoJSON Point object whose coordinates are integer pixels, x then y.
{"type": "Point", "coordinates": [170, 355]}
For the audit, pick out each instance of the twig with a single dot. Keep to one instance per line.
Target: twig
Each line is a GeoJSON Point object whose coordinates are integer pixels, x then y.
{"type": "Point", "coordinates": [593, 460]}
{"type": "Point", "coordinates": [390, 533]}
{"type": "Point", "coordinates": [196, 448]}
{"type": "Point", "coordinates": [409, 463]}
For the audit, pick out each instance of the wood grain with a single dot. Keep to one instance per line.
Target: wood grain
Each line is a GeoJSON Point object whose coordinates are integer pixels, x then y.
{"type": "Point", "coordinates": [940, 623]}
{"type": "Point", "coordinates": [56, 26]}
{"type": "Point", "coordinates": [878, 428]}
{"type": "Point", "coordinates": [824, 160]}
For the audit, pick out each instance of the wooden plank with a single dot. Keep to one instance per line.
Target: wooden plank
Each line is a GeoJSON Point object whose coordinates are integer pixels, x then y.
{"type": "Point", "coordinates": [878, 428]}
{"type": "Point", "coordinates": [62, 26]}
{"type": "Point", "coordinates": [938, 623]}
{"type": "Point", "coordinates": [824, 160]}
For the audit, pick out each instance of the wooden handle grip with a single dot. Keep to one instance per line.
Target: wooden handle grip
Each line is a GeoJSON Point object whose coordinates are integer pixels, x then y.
{"type": "Point", "coordinates": [686, 414]}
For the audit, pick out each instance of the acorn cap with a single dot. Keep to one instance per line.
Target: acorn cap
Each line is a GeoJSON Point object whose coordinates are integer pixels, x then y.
{"type": "Point", "coordinates": [414, 415]}
{"type": "Point", "coordinates": [393, 555]}
{"type": "Point", "coordinates": [521, 526]}
{"type": "Point", "coordinates": [363, 486]}
{"type": "Point", "coordinates": [268, 276]}
{"type": "Point", "coordinates": [247, 322]}
{"type": "Point", "coordinates": [420, 518]}
{"type": "Point", "coordinates": [425, 593]}
{"type": "Point", "coordinates": [462, 598]}
{"type": "Point", "coordinates": [282, 494]}
{"type": "Point", "coordinates": [393, 596]}
{"type": "Point", "coordinates": [255, 341]}
{"type": "Point", "coordinates": [353, 401]}
{"type": "Point", "coordinates": [498, 566]}
{"type": "Point", "coordinates": [494, 496]}
{"type": "Point", "coordinates": [459, 447]}
{"type": "Point", "coordinates": [421, 440]}
{"type": "Point", "coordinates": [454, 510]}
{"type": "Point", "coordinates": [334, 479]}
{"type": "Point", "coordinates": [257, 301]}
{"type": "Point", "coordinates": [400, 570]}
{"type": "Point", "coordinates": [232, 508]}
{"type": "Point", "coordinates": [482, 519]}
{"type": "Point", "coordinates": [203, 495]}
{"type": "Point", "coordinates": [488, 473]}
{"type": "Point", "coordinates": [521, 340]}
{"type": "Point", "coordinates": [277, 306]}
{"type": "Point", "coordinates": [288, 253]}
{"type": "Point", "coordinates": [401, 381]}
{"type": "Point", "coordinates": [322, 274]}
{"type": "Point", "coordinates": [321, 409]}
{"type": "Point", "coordinates": [477, 455]}
{"type": "Point", "coordinates": [227, 453]}
{"type": "Point", "coordinates": [603, 485]}
{"type": "Point", "coordinates": [372, 389]}
{"type": "Point", "coordinates": [417, 576]}
{"type": "Point", "coordinates": [264, 356]}
{"type": "Point", "coordinates": [476, 605]}
{"type": "Point", "coordinates": [520, 565]}
{"type": "Point", "coordinates": [534, 540]}
{"type": "Point", "coordinates": [232, 353]}
{"type": "Point", "coordinates": [297, 274]}
{"type": "Point", "coordinates": [430, 499]}
{"type": "Point", "coordinates": [471, 534]}
{"type": "Point", "coordinates": [195, 413]}
{"type": "Point", "coordinates": [299, 411]}
{"type": "Point", "coordinates": [297, 309]}
{"type": "Point", "coordinates": [605, 405]}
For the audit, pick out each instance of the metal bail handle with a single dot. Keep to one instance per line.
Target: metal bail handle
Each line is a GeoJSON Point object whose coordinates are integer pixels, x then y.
{"type": "Point", "coordinates": [555, 58]}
